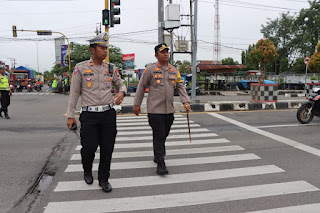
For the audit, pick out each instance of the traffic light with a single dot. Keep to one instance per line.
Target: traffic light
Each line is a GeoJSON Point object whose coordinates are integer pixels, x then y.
{"type": "Point", "coordinates": [14, 30]}
{"type": "Point", "coordinates": [105, 17]}
{"type": "Point", "coordinates": [114, 11]}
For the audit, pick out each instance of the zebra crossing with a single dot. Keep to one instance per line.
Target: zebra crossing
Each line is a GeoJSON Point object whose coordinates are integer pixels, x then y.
{"type": "Point", "coordinates": [32, 93]}
{"type": "Point", "coordinates": [137, 187]}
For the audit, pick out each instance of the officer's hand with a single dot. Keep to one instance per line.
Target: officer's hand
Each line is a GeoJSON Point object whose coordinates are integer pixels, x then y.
{"type": "Point", "coordinates": [10, 93]}
{"type": "Point", "coordinates": [186, 106]}
{"type": "Point", "coordinates": [136, 110]}
{"type": "Point", "coordinates": [118, 98]}
{"type": "Point", "coordinates": [71, 121]}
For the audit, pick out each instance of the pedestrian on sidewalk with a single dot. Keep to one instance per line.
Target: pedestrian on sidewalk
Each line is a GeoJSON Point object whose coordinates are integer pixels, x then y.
{"type": "Point", "coordinates": [162, 79]}
{"type": "Point", "coordinates": [94, 78]}
{"type": "Point", "coordinates": [5, 92]}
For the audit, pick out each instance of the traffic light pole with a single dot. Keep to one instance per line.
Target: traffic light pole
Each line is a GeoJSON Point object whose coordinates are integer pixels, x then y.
{"type": "Point", "coordinates": [46, 31]}
{"type": "Point", "coordinates": [107, 59]}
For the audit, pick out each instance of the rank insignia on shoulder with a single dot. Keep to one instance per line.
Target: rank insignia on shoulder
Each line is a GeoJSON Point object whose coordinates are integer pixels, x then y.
{"type": "Point", "coordinates": [88, 78]}
{"type": "Point", "coordinates": [145, 70]}
{"type": "Point", "coordinates": [75, 71]}
{"type": "Point", "coordinates": [88, 71]}
{"type": "Point", "coordinates": [89, 84]}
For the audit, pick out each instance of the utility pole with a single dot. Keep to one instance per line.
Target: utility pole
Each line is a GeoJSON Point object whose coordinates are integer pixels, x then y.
{"type": "Point", "coordinates": [171, 46]}
{"type": "Point", "coordinates": [194, 51]}
{"type": "Point", "coordinates": [160, 21]}
{"type": "Point", "coordinates": [107, 59]}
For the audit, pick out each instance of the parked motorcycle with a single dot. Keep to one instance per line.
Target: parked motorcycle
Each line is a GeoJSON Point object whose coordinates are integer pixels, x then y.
{"type": "Point", "coordinates": [310, 108]}
{"type": "Point", "coordinates": [11, 87]}
{"type": "Point", "coordinates": [38, 87]}
{"type": "Point", "coordinates": [29, 88]}
{"type": "Point", "coordinates": [19, 87]}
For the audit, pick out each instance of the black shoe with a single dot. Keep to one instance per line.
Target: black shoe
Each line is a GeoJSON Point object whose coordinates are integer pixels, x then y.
{"type": "Point", "coordinates": [1, 114]}
{"type": "Point", "coordinates": [6, 116]}
{"type": "Point", "coordinates": [106, 187]}
{"type": "Point", "coordinates": [88, 178]}
{"type": "Point", "coordinates": [161, 166]}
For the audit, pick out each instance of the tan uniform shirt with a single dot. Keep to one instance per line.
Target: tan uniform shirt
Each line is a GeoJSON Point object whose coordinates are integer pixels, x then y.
{"type": "Point", "coordinates": [161, 82]}
{"type": "Point", "coordinates": [95, 83]}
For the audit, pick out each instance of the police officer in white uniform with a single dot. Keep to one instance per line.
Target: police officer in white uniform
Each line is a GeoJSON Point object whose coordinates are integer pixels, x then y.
{"type": "Point", "coordinates": [93, 80]}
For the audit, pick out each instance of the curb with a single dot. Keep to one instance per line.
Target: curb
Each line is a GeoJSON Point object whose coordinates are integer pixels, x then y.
{"type": "Point", "coordinates": [220, 106]}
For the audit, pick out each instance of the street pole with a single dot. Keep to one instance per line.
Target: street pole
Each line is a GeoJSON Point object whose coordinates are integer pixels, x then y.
{"type": "Point", "coordinates": [194, 53]}
{"type": "Point", "coordinates": [305, 81]}
{"type": "Point", "coordinates": [160, 22]}
{"type": "Point", "coordinates": [171, 46]}
{"type": "Point", "coordinates": [37, 56]}
{"type": "Point", "coordinates": [107, 59]}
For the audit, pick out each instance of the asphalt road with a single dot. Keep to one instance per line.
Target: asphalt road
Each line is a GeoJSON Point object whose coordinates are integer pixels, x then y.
{"type": "Point", "coordinates": [237, 162]}
{"type": "Point", "coordinates": [36, 127]}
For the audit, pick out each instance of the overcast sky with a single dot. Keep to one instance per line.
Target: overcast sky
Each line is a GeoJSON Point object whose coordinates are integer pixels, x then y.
{"type": "Point", "coordinates": [240, 22]}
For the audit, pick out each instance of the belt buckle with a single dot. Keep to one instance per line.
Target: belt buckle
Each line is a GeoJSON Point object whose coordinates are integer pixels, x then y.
{"type": "Point", "coordinates": [100, 108]}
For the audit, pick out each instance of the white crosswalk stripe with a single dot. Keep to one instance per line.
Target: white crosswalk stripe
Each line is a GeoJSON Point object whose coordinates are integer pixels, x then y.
{"type": "Point", "coordinates": [181, 199]}
{"type": "Point", "coordinates": [168, 144]}
{"type": "Point", "coordinates": [309, 208]}
{"type": "Point", "coordinates": [134, 152]}
{"type": "Point", "coordinates": [32, 93]}
{"type": "Point", "coordinates": [175, 178]}
{"type": "Point", "coordinates": [185, 130]}
{"type": "Point", "coordinates": [169, 152]}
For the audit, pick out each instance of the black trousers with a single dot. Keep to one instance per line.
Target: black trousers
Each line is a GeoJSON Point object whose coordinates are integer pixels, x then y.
{"type": "Point", "coordinates": [98, 129]}
{"type": "Point", "coordinates": [5, 101]}
{"type": "Point", "coordinates": [160, 124]}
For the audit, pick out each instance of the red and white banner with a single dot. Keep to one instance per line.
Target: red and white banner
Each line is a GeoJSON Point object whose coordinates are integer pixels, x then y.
{"type": "Point", "coordinates": [128, 57]}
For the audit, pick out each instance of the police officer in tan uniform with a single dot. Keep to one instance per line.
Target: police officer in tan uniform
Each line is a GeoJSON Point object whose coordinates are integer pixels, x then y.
{"type": "Point", "coordinates": [162, 79]}
{"type": "Point", "coordinates": [93, 79]}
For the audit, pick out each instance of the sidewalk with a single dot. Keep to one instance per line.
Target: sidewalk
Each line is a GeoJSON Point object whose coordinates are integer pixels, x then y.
{"type": "Point", "coordinates": [213, 103]}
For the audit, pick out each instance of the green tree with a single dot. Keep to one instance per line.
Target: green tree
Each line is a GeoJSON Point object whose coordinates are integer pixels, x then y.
{"type": "Point", "coordinates": [308, 22]}
{"type": "Point", "coordinates": [246, 59]}
{"type": "Point", "coordinates": [116, 56]}
{"type": "Point", "coordinates": [81, 52]}
{"type": "Point", "coordinates": [183, 67]}
{"type": "Point", "coordinates": [314, 62]}
{"type": "Point", "coordinates": [298, 66]}
{"type": "Point", "coordinates": [284, 64]}
{"type": "Point", "coordinates": [264, 52]}
{"type": "Point", "coordinates": [229, 61]}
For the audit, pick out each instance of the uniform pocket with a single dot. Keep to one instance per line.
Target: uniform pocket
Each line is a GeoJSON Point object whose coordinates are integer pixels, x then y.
{"type": "Point", "coordinates": [172, 80]}
{"type": "Point", "coordinates": [158, 79]}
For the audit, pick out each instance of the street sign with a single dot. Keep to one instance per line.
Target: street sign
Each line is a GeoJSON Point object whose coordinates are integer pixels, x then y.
{"type": "Point", "coordinates": [306, 60]}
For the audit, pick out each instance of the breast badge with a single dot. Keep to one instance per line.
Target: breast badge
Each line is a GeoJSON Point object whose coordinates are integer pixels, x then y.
{"type": "Point", "coordinates": [89, 84]}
